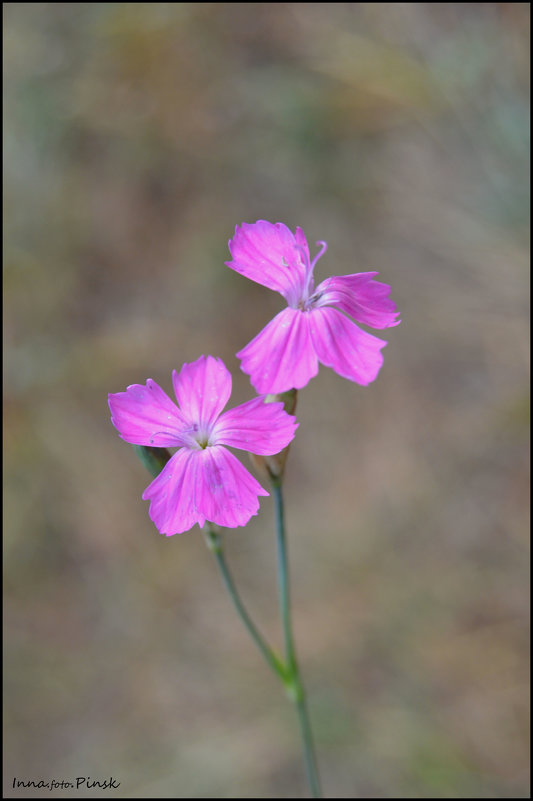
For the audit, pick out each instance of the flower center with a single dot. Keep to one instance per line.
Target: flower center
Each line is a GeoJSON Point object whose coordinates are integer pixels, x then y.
{"type": "Point", "coordinates": [307, 298]}
{"type": "Point", "coordinates": [310, 303]}
{"type": "Point", "coordinates": [200, 435]}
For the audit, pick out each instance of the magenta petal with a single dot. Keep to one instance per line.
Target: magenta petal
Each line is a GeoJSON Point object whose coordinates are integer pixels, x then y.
{"type": "Point", "coordinates": [202, 388]}
{"type": "Point", "coordinates": [281, 356]}
{"type": "Point", "coordinates": [145, 415]}
{"type": "Point", "coordinates": [176, 495]}
{"type": "Point", "coordinates": [359, 296]}
{"type": "Point", "coordinates": [229, 492]}
{"type": "Point", "coordinates": [340, 344]}
{"type": "Point", "coordinates": [272, 256]}
{"type": "Point", "coordinates": [199, 485]}
{"type": "Point", "coordinates": [256, 426]}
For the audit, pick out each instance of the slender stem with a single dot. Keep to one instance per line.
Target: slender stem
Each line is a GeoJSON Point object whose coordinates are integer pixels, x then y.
{"type": "Point", "coordinates": [214, 543]}
{"type": "Point", "coordinates": [294, 684]}
{"type": "Point", "coordinates": [283, 579]}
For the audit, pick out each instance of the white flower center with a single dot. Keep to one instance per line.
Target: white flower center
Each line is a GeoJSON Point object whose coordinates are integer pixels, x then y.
{"type": "Point", "coordinates": [200, 435]}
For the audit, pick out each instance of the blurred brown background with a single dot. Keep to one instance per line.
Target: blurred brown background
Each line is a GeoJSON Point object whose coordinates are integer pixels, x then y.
{"type": "Point", "coordinates": [136, 137]}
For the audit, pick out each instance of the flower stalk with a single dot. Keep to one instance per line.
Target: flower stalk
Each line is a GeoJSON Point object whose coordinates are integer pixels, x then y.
{"type": "Point", "coordinates": [294, 685]}
{"type": "Point", "coordinates": [214, 543]}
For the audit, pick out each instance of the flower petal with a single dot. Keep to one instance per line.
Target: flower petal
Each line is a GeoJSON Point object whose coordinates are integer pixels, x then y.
{"type": "Point", "coordinates": [359, 296]}
{"type": "Point", "coordinates": [256, 426]}
{"type": "Point", "coordinates": [281, 356]}
{"type": "Point", "coordinates": [229, 495]}
{"type": "Point", "coordinates": [340, 344]}
{"type": "Point", "coordinates": [145, 415]}
{"type": "Point", "coordinates": [202, 388]}
{"type": "Point", "coordinates": [195, 486]}
{"type": "Point", "coordinates": [176, 494]}
{"type": "Point", "coordinates": [271, 255]}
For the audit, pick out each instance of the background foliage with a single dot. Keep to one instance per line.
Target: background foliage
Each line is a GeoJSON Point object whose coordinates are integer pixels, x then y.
{"type": "Point", "coordinates": [136, 136]}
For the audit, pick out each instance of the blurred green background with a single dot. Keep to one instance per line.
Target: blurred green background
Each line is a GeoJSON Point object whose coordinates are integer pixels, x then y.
{"type": "Point", "coordinates": [136, 136]}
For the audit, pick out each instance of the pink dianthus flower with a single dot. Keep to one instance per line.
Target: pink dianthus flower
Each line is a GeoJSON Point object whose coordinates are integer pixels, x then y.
{"type": "Point", "coordinates": [202, 480]}
{"type": "Point", "coordinates": [314, 327]}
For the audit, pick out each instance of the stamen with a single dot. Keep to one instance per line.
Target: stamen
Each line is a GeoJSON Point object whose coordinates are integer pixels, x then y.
{"type": "Point", "coordinates": [323, 248]}
{"type": "Point", "coordinates": [308, 289]}
{"type": "Point", "coordinates": [164, 433]}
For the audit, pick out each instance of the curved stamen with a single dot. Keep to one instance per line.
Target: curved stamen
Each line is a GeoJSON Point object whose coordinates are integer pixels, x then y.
{"type": "Point", "coordinates": [164, 434]}
{"type": "Point", "coordinates": [310, 267]}
{"type": "Point", "coordinates": [323, 247]}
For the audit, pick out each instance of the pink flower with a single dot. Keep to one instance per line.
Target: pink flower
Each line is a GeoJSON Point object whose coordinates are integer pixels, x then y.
{"type": "Point", "coordinates": [202, 480]}
{"type": "Point", "coordinates": [313, 329]}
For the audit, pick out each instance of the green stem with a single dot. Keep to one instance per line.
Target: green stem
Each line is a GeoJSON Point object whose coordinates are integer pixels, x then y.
{"type": "Point", "coordinates": [214, 543]}
{"type": "Point", "coordinates": [294, 684]}
{"type": "Point", "coordinates": [283, 579]}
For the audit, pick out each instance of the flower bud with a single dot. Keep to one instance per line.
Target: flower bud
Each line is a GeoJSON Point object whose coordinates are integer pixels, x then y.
{"type": "Point", "coordinates": [154, 459]}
